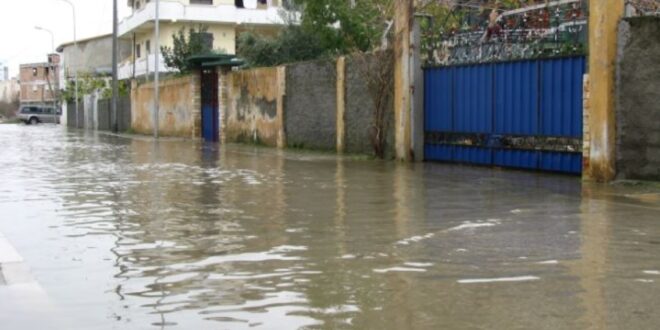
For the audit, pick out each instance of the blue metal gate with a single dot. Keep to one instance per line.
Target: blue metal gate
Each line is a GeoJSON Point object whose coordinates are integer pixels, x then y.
{"type": "Point", "coordinates": [523, 114]}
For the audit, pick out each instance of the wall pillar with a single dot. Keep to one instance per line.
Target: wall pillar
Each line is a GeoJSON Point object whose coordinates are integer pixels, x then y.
{"type": "Point", "coordinates": [402, 98]}
{"type": "Point", "coordinates": [604, 16]}
{"type": "Point", "coordinates": [417, 91]}
{"type": "Point", "coordinates": [281, 93]}
{"type": "Point", "coordinates": [223, 101]}
{"type": "Point", "coordinates": [196, 83]}
{"type": "Point", "coordinates": [341, 103]}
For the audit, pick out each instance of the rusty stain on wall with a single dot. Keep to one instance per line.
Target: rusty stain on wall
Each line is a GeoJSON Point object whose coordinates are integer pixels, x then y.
{"type": "Point", "coordinates": [586, 105]}
{"type": "Point", "coordinates": [253, 106]}
{"type": "Point", "coordinates": [177, 105]}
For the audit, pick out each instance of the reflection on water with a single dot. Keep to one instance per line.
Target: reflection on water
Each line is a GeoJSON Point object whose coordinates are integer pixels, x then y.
{"type": "Point", "coordinates": [128, 233]}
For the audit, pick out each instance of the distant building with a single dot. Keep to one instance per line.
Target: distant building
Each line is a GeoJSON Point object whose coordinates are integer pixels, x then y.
{"type": "Point", "coordinates": [4, 72]}
{"type": "Point", "coordinates": [91, 56]}
{"type": "Point", "coordinates": [40, 81]}
{"type": "Point", "coordinates": [225, 19]}
{"type": "Point", "coordinates": [9, 91]}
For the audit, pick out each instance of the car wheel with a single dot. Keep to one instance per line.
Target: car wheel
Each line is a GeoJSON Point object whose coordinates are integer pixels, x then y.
{"type": "Point", "coordinates": [34, 121]}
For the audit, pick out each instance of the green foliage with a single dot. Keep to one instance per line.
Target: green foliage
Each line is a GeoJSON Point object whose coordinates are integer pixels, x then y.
{"type": "Point", "coordinates": [88, 84]}
{"type": "Point", "coordinates": [122, 87]}
{"type": "Point", "coordinates": [342, 28]}
{"type": "Point", "coordinates": [325, 28]}
{"type": "Point", "coordinates": [292, 44]}
{"type": "Point", "coordinates": [186, 44]}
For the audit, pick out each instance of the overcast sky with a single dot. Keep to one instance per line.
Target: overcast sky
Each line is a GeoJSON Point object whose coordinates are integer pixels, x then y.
{"type": "Point", "coordinates": [20, 42]}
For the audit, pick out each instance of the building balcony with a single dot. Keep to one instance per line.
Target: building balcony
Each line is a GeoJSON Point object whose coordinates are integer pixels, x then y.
{"type": "Point", "coordinates": [143, 66]}
{"type": "Point", "coordinates": [175, 11]}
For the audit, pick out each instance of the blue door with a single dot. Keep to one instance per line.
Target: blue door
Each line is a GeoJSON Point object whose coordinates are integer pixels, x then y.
{"type": "Point", "coordinates": [210, 110]}
{"type": "Point", "coordinates": [522, 114]}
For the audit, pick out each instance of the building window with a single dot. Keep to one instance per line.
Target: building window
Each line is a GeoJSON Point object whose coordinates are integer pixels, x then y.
{"type": "Point", "coordinates": [206, 39]}
{"type": "Point", "coordinates": [239, 3]}
{"type": "Point", "coordinates": [35, 71]}
{"type": "Point", "coordinates": [147, 47]}
{"type": "Point", "coordinates": [138, 52]}
{"type": "Point", "coordinates": [201, 2]}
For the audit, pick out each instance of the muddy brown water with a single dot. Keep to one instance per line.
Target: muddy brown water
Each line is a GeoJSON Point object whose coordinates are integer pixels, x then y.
{"type": "Point", "coordinates": [125, 233]}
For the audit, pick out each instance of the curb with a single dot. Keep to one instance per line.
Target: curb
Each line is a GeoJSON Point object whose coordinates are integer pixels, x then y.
{"type": "Point", "coordinates": [13, 269]}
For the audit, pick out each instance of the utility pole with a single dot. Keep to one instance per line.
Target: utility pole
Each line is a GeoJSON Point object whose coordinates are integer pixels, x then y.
{"type": "Point", "coordinates": [115, 87]}
{"type": "Point", "coordinates": [156, 78]}
{"type": "Point", "coordinates": [75, 70]}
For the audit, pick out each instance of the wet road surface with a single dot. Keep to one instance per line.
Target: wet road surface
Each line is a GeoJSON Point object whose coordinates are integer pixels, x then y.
{"type": "Point", "coordinates": [124, 233]}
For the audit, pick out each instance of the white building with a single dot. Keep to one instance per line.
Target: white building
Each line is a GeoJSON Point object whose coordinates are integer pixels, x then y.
{"type": "Point", "coordinates": [4, 72]}
{"type": "Point", "coordinates": [225, 20]}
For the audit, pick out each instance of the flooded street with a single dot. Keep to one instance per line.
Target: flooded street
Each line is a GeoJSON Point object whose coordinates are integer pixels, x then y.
{"type": "Point", "coordinates": [125, 233]}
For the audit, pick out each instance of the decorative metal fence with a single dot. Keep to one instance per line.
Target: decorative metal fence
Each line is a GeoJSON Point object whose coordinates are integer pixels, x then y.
{"type": "Point", "coordinates": [642, 7]}
{"type": "Point", "coordinates": [476, 33]}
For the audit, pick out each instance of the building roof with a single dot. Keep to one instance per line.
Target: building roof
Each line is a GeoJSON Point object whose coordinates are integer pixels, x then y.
{"type": "Point", "coordinates": [214, 60]}
{"type": "Point", "coordinates": [60, 48]}
{"type": "Point", "coordinates": [32, 65]}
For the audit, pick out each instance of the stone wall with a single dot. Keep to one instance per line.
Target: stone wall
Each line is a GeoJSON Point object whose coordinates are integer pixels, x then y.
{"type": "Point", "coordinates": [638, 99]}
{"type": "Point", "coordinates": [311, 104]}
{"type": "Point", "coordinates": [179, 107]}
{"type": "Point", "coordinates": [360, 127]}
{"type": "Point", "coordinates": [250, 100]}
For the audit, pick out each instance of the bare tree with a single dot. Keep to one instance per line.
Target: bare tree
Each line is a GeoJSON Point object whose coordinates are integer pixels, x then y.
{"type": "Point", "coordinates": [377, 70]}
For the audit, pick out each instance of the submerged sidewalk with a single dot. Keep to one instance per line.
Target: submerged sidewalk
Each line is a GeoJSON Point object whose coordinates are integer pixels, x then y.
{"type": "Point", "coordinates": [23, 302]}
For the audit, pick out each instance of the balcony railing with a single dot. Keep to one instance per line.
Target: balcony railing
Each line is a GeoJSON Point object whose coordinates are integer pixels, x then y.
{"type": "Point", "coordinates": [143, 66]}
{"type": "Point", "coordinates": [173, 11]}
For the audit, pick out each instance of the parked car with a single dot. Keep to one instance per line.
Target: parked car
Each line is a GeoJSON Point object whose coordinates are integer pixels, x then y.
{"type": "Point", "coordinates": [35, 114]}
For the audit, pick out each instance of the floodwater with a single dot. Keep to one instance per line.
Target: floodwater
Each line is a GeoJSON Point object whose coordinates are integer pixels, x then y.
{"type": "Point", "coordinates": [126, 233]}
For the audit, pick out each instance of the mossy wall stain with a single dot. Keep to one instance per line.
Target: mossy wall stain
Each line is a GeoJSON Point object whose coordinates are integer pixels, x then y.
{"type": "Point", "coordinates": [638, 99]}
{"type": "Point", "coordinates": [176, 107]}
{"type": "Point", "coordinates": [251, 106]}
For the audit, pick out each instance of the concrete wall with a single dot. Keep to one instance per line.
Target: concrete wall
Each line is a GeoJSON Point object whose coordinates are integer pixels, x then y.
{"type": "Point", "coordinates": [251, 111]}
{"type": "Point", "coordinates": [311, 104]}
{"type": "Point", "coordinates": [179, 107]}
{"type": "Point", "coordinates": [325, 105]}
{"type": "Point", "coordinates": [638, 99]}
